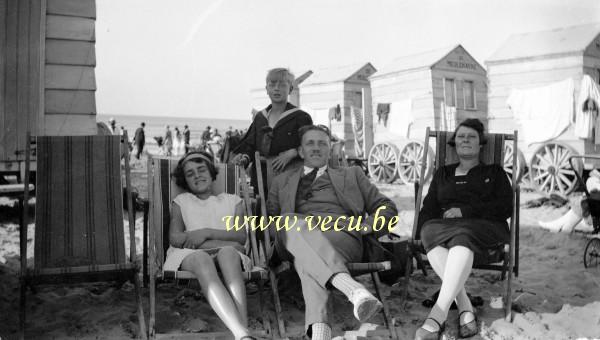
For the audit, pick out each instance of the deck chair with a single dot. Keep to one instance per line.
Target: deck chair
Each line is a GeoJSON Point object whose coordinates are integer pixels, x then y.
{"type": "Point", "coordinates": [79, 234]}
{"type": "Point", "coordinates": [506, 257]}
{"type": "Point", "coordinates": [162, 190]}
{"type": "Point", "coordinates": [356, 269]}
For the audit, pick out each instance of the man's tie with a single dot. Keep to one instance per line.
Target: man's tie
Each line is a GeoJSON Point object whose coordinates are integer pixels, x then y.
{"type": "Point", "coordinates": [306, 182]}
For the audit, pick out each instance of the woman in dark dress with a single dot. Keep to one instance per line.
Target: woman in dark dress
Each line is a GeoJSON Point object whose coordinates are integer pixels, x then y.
{"type": "Point", "coordinates": [463, 214]}
{"type": "Point", "coordinates": [274, 130]}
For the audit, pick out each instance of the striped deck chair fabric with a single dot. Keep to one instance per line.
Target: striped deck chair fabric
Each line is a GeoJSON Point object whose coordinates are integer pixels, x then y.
{"type": "Point", "coordinates": [79, 219]}
{"type": "Point", "coordinates": [79, 229]}
{"type": "Point", "coordinates": [162, 190]}
{"type": "Point", "coordinates": [505, 258]}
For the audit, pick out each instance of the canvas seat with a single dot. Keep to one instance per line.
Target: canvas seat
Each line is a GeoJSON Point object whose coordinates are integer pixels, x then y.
{"type": "Point", "coordinates": [79, 234]}
{"type": "Point", "coordinates": [162, 190]}
{"type": "Point", "coordinates": [504, 257]}
{"type": "Point", "coordinates": [356, 269]}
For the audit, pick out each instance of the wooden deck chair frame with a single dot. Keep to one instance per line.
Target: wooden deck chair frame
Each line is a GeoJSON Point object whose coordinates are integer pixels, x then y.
{"type": "Point", "coordinates": [82, 251]}
{"type": "Point", "coordinates": [356, 269]}
{"type": "Point", "coordinates": [162, 190]}
{"type": "Point", "coordinates": [493, 154]}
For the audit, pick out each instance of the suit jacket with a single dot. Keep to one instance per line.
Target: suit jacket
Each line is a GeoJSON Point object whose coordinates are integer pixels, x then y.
{"type": "Point", "coordinates": [354, 190]}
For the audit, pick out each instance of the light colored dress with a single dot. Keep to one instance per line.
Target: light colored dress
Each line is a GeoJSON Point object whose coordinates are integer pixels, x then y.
{"type": "Point", "coordinates": [198, 214]}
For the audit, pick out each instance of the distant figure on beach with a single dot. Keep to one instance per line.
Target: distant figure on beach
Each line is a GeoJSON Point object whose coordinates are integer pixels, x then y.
{"type": "Point", "coordinates": [112, 124]}
{"type": "Point", "coordinates": [463, 214]}
{"type": "Point", "coordinates": [206, 135]}
{"type": "Point", "coordinates": [229, 131]}
{"type": "Point", "coordinates": [274, 130]}
{"type": "Point", "coordinates": [186, 138]}
{"type": "Point", "coordinates": [139, 139]}
{"type": "Point", "coordinates": [168, 142]}
{"type": "Point", "coordinates": [199, 241]}
{"type": "Point", "coordinates": [579, 209]}
{"type": "Point", "coordinates": [178, 145]}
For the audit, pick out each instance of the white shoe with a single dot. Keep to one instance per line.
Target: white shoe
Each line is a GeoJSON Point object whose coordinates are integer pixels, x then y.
{"type": "Point", "coordinates": [553, 226]}
{"type": "Point", "coordinates": [365, 304]}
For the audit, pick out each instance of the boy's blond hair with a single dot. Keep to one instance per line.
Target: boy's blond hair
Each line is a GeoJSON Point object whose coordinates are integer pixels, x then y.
{"type": "Point", "coordinates": [284, 73]}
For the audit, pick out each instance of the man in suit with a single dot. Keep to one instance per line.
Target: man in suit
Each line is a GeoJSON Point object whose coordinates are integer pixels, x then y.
{"type": "Point", "coordinates": [320, 256]}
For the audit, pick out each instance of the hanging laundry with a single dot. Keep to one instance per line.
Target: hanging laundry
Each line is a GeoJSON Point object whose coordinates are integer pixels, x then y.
{"type": "Point", "coordinates": [357, 128]}
{"type": "Point", "coordinates": [447, 117]}
{"type": "Point", "coordinates": [550, 106]}
{"type": "Point", "coordinates": [586, 109]}
{"type": "Point", "coordinates": [401, 118]}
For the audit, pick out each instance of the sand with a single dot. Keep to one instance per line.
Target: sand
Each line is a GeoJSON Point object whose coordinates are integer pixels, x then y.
{"type": "Point", "coordinates": [555, 297]}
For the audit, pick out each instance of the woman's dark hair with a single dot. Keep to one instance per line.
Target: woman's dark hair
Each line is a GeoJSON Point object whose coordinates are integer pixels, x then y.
{"type": "Point", "coordinates": [474, 124]}
{"type": "Point", "coordinates": [197, 157]}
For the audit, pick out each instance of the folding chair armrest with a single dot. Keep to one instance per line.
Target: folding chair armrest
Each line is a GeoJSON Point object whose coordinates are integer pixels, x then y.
{"type": "Point", "coordinates": [358, 268]}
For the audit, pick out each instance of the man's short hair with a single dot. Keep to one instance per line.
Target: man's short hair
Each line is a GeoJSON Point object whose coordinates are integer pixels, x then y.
{"type": "Point", "coordinates": [143, 124]}
{"type": "Point", "coordinates": [284, 73]}
{"type": "Point", "coordinates": [304, 129]}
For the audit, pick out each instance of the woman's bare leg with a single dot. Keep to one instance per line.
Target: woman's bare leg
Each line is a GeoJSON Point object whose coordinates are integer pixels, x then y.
{"type": "Point", "coordinates": [203, 266]}
{"type": "Point", "coordinates": [230, 265]}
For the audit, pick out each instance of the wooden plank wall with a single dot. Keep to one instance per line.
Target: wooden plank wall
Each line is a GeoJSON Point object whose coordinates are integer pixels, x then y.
{"type": "Point", "coordinates": [320, 97]}
{"type": "Point", "coordinates": [414, 85]}
{"type": "Point", "coordinates": [70, 61]}
{"type": "Point", "coordinates": [21, 53]}
{"type": "Point", "coordinates": [534, 72]}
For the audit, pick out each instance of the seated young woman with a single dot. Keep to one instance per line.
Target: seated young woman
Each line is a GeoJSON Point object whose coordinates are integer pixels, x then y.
{"type": "Point", "coordinates": [463, 214]}
{"type": "Point", "coordinates": [199, 240]}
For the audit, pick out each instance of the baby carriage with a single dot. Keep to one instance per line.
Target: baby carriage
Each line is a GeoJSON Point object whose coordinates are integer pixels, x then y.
{"type": "Point", "coordinates": [591, 255]}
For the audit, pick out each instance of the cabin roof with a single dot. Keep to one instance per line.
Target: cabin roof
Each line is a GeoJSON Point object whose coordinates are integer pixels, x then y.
{"type": "Point", "coordinates": [542, 43]}
{"type": "Point", "coordinates": [418, 60]}
{"type": "Point", "coordinates": [335, 74]}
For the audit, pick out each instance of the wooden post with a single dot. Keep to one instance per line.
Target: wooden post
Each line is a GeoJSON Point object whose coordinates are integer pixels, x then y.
{"type": "Point", "coordinates": [367, 109]}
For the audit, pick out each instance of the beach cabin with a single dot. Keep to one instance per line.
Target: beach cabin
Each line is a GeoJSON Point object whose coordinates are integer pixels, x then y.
{"type": "Point", "coordinates": [545, 85]}
{"type": "Point", "coordinates": [47, 80]}
{"type": "Point", "coordinates": [435, 88]}
{"type": "Point", "coordinates": [333, 95]}
{"type": "Point", "coordinates": [260, 99]}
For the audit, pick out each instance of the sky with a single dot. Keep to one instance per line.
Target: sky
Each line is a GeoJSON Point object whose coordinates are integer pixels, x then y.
{"type": "Point", "coordinates": [201, 58]}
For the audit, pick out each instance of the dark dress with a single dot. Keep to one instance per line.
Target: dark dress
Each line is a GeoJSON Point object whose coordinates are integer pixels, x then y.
{"type": "Point", "coordinates": [271, 142]}
{"type": "Point", "coordinates": [484, 197]}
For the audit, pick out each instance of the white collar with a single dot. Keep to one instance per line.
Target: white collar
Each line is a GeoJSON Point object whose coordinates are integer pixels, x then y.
{"type": "Point", "coordinates": [319, 172]}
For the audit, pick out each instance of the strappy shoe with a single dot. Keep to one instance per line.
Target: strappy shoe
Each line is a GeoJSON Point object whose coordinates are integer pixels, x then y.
{"type": "Point", "coordinates": [423, 334]}
{"type": "Point", "coordinates": [470, 328]}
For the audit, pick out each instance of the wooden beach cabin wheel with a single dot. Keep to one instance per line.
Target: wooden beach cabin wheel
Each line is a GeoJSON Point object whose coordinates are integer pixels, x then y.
{"type": "Point", "coordinates": [383, 162]}
{"type": "Point", "coordinates": [508, 160]}
{"type": "Point", "coordinates": [550, 170]}
{"type": "Point", "coordinates": [591, 256]}
{"type": "Point", "coordinates": [411, 160]}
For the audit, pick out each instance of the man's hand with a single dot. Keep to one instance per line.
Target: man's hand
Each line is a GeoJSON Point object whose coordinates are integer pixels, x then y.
{"type": "Point", "coordinates": [283, 159]}
{"type": "Point", "coordinates": [453, 213]}
{"type": "Point", "coordinates": [194, 239]}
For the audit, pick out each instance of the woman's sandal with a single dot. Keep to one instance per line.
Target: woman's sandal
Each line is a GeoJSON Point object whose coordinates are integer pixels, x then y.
{"type": "Point", "coordinates": [470, 328]}
{"type": "Point", "coordinates": [248, 337]}
{"type": "Point", "coordinates": [423, 334]}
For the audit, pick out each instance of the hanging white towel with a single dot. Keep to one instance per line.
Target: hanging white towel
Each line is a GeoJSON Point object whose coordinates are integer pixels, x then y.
{"type": "Point", "coordinates": [543, 112]}
{"type": "Point", "coordinates": [447, 117]}
{"type": "Point", "coordinates": [400, 118]}
{"type": "Point", "coordinates": [585, 119]}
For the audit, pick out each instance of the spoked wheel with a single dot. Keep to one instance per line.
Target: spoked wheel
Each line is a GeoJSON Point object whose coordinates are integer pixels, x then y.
{"type": "Point", "coordinates": [411, 160]}
{"type": "Point", "coordinates": [550, 170]}
{"type": "Point", "coordinates": [383, 162]}
{"type": "Point", "coordinates": [591, 256]}
{"type": "Point", "coordinates": [508, 161]}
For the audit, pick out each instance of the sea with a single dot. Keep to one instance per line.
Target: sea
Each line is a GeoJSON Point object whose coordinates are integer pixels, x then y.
{"type": "Point", "coordinates": [155, 126]}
